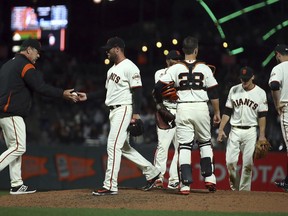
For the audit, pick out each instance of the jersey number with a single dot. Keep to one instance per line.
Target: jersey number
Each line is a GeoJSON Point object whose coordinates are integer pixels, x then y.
{"type": "Point", "coordinates": [195, 82]}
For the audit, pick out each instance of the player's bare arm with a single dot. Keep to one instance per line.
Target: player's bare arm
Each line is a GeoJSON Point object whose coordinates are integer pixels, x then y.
{"type": "Point", "coordinates": [276, 99]}
{"type": "Point", "coordinates": [221, 134]}
{"type": "Point", "coordinates": [216, 117]}
{"type": "Point", "coordinates": [213, 95]}
{"type": "Point", "coordinates": [262, 126]}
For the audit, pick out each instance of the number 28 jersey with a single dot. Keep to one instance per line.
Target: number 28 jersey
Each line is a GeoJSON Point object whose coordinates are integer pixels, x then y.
{"type": "Point", "coordinates": [196, 91]}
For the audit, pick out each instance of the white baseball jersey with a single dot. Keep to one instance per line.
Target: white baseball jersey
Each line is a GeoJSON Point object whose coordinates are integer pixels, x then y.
{"type": "Point", "coordinates": [246, 105]}
{"type": "Point", "coordinates": [120, 79]}
{"type": "Point", "coordinates": [157, 77]}
{"type": "Point", "coordinates": [280, 75]}
{"type": "Point", "coordinates": [202, 79]}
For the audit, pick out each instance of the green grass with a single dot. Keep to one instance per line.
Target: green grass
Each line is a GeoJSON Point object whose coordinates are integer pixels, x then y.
{"type": "Point", "coordinates": [4, 193]}
{"type": "Point", "coordinates": [121, 212]}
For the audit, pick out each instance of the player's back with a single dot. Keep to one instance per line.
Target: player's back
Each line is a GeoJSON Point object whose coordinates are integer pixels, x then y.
{"type": "Point", "coordinates": [192, 88]}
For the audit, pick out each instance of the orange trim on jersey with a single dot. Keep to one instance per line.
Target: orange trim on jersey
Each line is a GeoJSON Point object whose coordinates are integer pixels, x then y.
{"type": "Point", "coordinates": [26, 68]}
{"type": "Point", "coordinates": [7, 104]}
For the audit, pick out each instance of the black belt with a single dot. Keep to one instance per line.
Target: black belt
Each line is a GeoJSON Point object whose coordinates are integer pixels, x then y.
{"type": "Point", "coordinates": [244, 127]}
{"type": "Point", "coordinates": [114, 107]}
{"type": "Point", "coordinates": [192, 102]}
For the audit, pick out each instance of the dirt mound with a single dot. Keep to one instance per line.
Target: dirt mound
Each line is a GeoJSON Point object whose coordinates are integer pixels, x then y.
{"type": "Point", "coordinates": [197, 200]}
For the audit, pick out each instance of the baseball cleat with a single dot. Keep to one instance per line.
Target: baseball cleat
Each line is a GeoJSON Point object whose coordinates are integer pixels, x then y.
{"type": "Point", "coordinates": [22, 189]}
{"type": "Point", "coordinates": [150, 183]}
{"type": "Point", "coordinates": [184, 190]}
{"type": "Point", "coordinates": [173, 186]}
{"type": "Point", "coordinates": [282, 184]}
{"type": "Point", "coordinates": [210, 186]}
{"type": "Point", "coordinates": [104, 191]}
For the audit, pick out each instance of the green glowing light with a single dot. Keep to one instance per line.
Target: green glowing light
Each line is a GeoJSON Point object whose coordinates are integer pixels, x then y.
{"type": "Point", "coordinates": [214, 19]}
{"type": "Point", "coordinates": [236, 51]}
{"type": "Point", "coordinates": [268, 59]}
{"type": "Point", "coordinates": [274, 30]}
{"type": "Point", "coordinates": [246, 10]}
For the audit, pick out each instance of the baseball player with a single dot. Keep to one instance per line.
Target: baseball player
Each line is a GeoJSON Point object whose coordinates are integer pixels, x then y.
{"type": "Point", "coordinates": [196, 86]}
{"type": "Point", "coordinates": [123, 97]}
{"type": "Point", "coordinates": [18, 80]}
{"type": "Point", "coordinates": [278, 83]}
{"type": "Point", "coordinates": [166, 137]}
{"type": "Point", "coordinates": [246, 107]}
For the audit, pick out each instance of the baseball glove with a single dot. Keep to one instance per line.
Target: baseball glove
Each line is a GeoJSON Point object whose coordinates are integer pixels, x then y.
{"type": "Point", "coordinates": [261, 149]}
{"type": "Point", "coordinates": [164, 118]}
{"type": "Point", "coordinates": [169, 92]}
{"type": "Point", "coordinates": [136, 127]}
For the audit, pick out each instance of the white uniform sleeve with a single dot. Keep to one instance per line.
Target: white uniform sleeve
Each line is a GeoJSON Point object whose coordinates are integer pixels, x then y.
{"type": "Point", "coordinates": [275, 75]}
{"type": "Point", "coordinates": [229, 102]}
{"type": "Point", "coordinates": [133, 75]}
{"type": "Point", "coordinates": [159, 74]}
{"type": "Point", "coordinates": [263, 105]}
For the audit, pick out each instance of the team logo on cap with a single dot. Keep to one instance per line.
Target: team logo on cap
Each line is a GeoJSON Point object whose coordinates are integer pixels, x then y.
{"type": "Point", "coordinates": [244, 71]}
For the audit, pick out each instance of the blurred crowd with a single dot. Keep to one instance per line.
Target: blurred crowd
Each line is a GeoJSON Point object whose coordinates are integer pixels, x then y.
{"type": "Point", "coordinates": [59, 122]}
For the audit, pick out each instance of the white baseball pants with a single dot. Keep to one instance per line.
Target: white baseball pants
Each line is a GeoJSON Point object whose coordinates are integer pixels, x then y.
{"type": "Point", "coordinates": [14, 132]}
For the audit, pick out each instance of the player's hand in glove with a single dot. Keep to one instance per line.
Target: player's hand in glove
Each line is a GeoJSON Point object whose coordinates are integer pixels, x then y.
{"type": "Point", "coordinates": [164, 118]}
{"type": "Point", "coordinates": [169, 92]}
{"type": "Point", "coordinates": [136, 127]}
{"type": "Point", "coordinates": [261, 149]}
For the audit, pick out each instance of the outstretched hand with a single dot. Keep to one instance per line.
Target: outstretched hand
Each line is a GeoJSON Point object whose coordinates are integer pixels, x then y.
{"type": "Point", "coordinates": [69, 94]}
{"type": "Point", "coordinates": [82, 96]}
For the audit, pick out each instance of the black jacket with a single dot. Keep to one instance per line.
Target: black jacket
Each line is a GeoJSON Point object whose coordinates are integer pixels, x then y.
{"type": "Point", "coordinates": [18, 80]}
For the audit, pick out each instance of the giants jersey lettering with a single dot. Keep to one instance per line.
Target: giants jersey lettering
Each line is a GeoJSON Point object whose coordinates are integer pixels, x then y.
{"type": "Point", "coordinates": [280, 74]}
{"type": "Point", "coordinates": [202, 78]}
{"type": "Point", "coordinates": [157, 77]}
{"type": "Point", "coordinates": [120, 79]}
{"type": "Point", "coordinates": [246, 105]}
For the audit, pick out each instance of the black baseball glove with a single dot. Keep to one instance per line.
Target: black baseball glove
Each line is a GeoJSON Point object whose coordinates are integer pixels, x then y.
{"type": "Point", "coordinates": [164, 118]}
{"type": "Point", "coordinates": [136, 127]}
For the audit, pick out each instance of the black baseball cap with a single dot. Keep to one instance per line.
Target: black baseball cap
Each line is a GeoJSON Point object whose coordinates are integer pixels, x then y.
{"type": "Point", "coordinates": [174, 55]}
{"type": "Point", "coordinates": [114, 42]}
{"type": "Point", "coordinates": [246, 73]}
{"type": "Point", "coordinates": [282, 49]}
{"type": "Point", "coordinates": [31, 43]}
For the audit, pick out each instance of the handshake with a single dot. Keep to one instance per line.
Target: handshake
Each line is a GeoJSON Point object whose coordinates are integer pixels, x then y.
{"type": "Point", "coordinates": [74, 96]}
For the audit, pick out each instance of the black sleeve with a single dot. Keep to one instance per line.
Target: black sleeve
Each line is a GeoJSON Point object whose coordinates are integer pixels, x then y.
{"type": "Point", "coordinates": [274, 86]}
{"type": "Point", "coordinates": [228, 111]}
{"type": "Point", "coordinates": [157, 91]}
{"type": "Point", "coordinates": [262, 114]}
{"type": "Point", "coordinates": [136, 99]}
{"type": "Point", "coordinates": [34, 79]}
{"type": "Point", "coordinates": [213, 92]}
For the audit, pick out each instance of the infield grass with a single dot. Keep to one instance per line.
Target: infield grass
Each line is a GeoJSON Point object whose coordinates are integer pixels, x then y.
{"type": "Point", "coordinates": [20, 211]}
